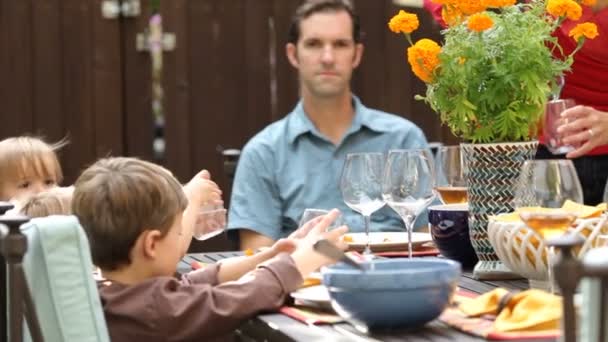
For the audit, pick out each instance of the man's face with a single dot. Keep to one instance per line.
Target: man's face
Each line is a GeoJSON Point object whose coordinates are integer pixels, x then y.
{"type": "Point", "coordinates": [325, 54]}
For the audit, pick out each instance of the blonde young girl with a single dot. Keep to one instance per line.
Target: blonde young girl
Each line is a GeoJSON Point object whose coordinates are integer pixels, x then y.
{"type": "Point", "coordinates": [28, 165]}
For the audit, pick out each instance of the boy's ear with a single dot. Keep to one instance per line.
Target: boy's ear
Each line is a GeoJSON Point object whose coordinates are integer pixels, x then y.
{"type": "Point", "coordinates": [149, 242]}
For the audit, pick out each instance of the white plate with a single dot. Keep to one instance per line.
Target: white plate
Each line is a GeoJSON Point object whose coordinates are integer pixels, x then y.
{"type": "Point", "coordinates": [384, 241]}
{"type": "Point", "coordinates": [314, 296]}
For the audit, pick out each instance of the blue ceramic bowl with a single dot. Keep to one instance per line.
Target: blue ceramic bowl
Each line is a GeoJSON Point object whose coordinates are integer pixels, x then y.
{"type": "Point", "coordinates": [449, 227]}
{"type": "Point", "coordinates": [393, 293]}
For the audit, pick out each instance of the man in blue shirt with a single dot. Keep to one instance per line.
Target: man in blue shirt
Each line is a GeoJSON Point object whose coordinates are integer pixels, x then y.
{"type": "Point", "coordinates": [296, 163]}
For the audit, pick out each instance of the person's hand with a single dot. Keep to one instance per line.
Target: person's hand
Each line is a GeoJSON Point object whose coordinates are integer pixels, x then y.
{"type": "Point", "coordinates": [306, 258]}
{"type": "Point", "coordinates": [585, 129]}
{"type": "Point", "coordinates": [201, 191]}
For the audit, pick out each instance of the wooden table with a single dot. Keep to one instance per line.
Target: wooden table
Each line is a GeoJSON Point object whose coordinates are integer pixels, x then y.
{"type": "Point", "coordinates": [279, 327]}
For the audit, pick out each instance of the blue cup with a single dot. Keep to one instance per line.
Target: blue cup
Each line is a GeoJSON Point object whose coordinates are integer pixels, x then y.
{"type": "Point", "coordinates": [449, 227]}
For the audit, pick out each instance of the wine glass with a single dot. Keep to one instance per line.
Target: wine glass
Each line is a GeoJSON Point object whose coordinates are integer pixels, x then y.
{"type": "Point", "coordinates": [449, 181]}
{"type": "Point", "coordinates": [546, 184]}
{"type": "Point", "coordinates": [311, 213]}
{"type": "Point", "coordinates": [361, 186]}
{"type": "Point", "coordinates": [408, 185]}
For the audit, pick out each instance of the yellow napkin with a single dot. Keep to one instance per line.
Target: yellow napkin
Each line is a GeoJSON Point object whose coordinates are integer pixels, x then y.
{"type": "Point", "coordinates": [531, 310]}
{"type": "Point", "coordinates": [582, 211]}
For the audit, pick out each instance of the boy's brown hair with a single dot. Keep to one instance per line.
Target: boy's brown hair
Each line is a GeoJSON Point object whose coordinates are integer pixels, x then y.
{"type": "Point", "coordinates": [116, 199]}
{"type": "Point", "coordinates": [56, 201]}
{"type": "Point", "coordinates": [28, 157]}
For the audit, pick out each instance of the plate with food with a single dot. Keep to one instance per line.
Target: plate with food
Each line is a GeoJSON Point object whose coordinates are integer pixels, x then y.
{"type": "Point", "coordinates": [387, 241]}
{"type": "Point", "coordinates": [314, 296]}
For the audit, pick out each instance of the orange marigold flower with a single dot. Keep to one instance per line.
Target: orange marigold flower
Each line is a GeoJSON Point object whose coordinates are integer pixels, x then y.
{"type": "Point", "coordinates": [424, 58]}
{"type": "Point", "coordinates": [565, 8]}
{"type": "Point", "coordinates": [587, 30]}
{"type": "Point", "coordinates": [404, 22]}
{"type": "Point", "coordinates": [451, 16]}
{"type": "Point", "coordinates": [469, 7]}
{"type": "Point", "coordinates": [499, 3]}
{"type": "Point", "coordinates": [461, 60]}
{"type": "Point", "coordinates": [479, 22]}
{"type": "Point", "coordinates": [588, 2]}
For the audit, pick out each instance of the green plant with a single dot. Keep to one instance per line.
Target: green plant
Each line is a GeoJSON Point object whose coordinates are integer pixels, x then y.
{"type": "Point", "coordinates": [491, 78]}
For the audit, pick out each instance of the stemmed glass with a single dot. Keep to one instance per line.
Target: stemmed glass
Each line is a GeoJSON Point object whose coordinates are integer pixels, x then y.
{"type": "Point", "coordinates": [361, 186]}
{"type": "Point", "coordinates": [408, 185]}
{"type": "Point", "coordinates": [546, 184]}
{"type": "Point", "coordinates": [449, 171]}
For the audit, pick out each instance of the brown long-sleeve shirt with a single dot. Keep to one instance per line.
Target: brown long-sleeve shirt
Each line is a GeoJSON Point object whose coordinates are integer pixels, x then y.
{"type": "Point", "coordinates": [196, 308]}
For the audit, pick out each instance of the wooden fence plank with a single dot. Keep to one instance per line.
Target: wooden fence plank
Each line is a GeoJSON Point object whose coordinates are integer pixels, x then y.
{"type": "Point", "coordinates": [15, 48]}
{"type": "Point", "coordinates": [177, 87]}
{"type": "Point", "coordinates": [46, 69]}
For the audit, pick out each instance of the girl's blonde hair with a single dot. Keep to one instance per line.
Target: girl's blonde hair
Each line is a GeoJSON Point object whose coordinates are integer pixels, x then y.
{"type": "Point", "coordinates": [56, 201]}
{"type": "Point", "coordinates": [29, 157]}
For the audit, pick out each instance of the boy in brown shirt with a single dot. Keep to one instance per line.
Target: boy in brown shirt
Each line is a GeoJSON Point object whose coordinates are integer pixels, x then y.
{"type": "Point", "coordinates": [133, 213]}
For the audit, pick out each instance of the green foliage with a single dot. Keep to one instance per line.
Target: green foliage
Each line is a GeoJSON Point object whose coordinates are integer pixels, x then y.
{"type": "Point", "coordinates": [492, 86]}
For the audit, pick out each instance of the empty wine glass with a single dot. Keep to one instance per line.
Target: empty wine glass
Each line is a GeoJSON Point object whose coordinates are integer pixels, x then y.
{"type": "Point", "coordinates": [408, 185]}
{"type": "Point", "coordinates": [361, 186]}
{"type": "Point", "coordinates": [449, 171]}
{"type": "Point", "coordinates": [311, 213]}
{"type": "Point", "coordinates": [546, 184]}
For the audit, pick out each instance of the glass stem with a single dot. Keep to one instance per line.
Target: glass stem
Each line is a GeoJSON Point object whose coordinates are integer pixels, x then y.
{"type": "Point", "coordinates": [409, 225]}
{"type": "Point", "coordinates": [367, 251]}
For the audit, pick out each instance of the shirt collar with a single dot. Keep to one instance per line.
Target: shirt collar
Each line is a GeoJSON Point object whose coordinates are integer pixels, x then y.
{"type": "Point", "coordinates": [300, 122]}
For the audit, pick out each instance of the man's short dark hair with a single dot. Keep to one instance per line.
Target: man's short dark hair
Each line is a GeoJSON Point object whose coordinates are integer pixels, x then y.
{"type": "Point", "coordinates": [310, 7]}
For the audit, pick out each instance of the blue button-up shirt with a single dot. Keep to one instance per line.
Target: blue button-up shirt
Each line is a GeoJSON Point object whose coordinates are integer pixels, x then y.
{"type": "Point", "coordinates": [290, 166]}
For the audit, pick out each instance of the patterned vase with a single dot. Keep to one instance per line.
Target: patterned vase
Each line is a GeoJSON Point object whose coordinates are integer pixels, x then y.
{"type": "Point", "coordinates": [490, 172]}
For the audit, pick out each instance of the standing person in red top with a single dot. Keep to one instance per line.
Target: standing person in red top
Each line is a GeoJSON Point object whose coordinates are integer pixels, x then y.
{"type": "Point", "coordinates": [587, 85]}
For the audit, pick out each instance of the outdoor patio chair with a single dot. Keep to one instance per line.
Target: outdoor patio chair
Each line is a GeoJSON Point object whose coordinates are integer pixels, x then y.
{"type": "Point", "coordinates": [58, 269]}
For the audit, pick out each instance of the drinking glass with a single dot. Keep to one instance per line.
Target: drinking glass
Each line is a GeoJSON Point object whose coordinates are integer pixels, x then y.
{"type": "Point", "coordinates": [449, 175]}
{"type": "Point", "coordinates": [311, 213]}
{"type": "Point", "coordinates": [606, 193]}
{"type": "Point", "coordinates": [209, 223]}
{"type": "Point", "coordinates": [361, 186]}
{"type": "Point", "coordinates": [547, 184]}
{"type": "Point", "coordinates": [552, 120]}
{"type": "Point", "coordinates": [408, 185]}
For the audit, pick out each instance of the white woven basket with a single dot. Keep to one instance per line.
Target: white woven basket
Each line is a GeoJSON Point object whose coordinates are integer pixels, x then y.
{"type": "Point", "coordinates": [522, 249]}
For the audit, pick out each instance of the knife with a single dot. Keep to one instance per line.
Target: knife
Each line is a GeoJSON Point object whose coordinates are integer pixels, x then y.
{"type": "Point", "coordinates": [329, 250]}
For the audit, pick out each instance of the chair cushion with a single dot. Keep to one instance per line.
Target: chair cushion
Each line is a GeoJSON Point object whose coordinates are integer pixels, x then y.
{"type": "Point", "coordinates": [58, 269]}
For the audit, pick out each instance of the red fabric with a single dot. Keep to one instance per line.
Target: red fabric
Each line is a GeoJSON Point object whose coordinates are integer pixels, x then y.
{"type": "Point", "coordinates": [587, 83]}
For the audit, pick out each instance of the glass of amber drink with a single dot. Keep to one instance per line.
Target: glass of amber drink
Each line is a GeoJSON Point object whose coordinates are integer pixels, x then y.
{"type": "Point", "coordinates": [539, 195]}
{"type": "Point", "coordinates": [449, 176]}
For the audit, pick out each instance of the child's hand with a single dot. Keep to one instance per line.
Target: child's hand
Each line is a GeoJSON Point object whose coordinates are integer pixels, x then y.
{"type": "Point", "coordinates": [201, 191]}
{"type": "Point", "coordinates": [306, 258]}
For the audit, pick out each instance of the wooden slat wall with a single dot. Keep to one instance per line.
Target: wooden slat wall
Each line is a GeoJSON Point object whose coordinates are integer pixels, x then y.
{"type": "Point", "coordinates": [67, 72]}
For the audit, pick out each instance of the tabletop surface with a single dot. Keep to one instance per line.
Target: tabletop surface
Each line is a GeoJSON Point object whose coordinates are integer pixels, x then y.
{"type": "Point", "coordinates": [279, 327]}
